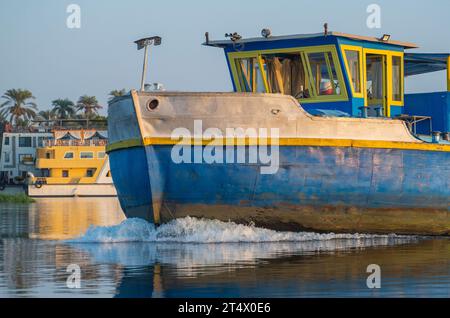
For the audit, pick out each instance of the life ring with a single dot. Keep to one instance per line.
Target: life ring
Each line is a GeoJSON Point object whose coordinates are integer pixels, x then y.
{"type": "Point", "coordinates": [2, 186]}
{"type": "Point", "coordinates": [38, 184]}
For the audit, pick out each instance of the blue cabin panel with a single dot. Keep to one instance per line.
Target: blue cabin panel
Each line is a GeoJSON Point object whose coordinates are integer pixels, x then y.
{"type": "Point", "coordinates": [435, 105]}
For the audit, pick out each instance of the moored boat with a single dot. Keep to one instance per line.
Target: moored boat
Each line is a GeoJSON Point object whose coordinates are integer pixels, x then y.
{"type": "Point", "coordinates": [318, 135]}
{"type": "Point", "coordinates": [73, 164]}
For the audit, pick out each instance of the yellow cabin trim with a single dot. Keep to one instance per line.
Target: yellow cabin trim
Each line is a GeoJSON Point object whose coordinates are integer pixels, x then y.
{"type": "Point", "coordinates": [362, 68]}
{"type": "Point", "coordinates": [318, 142]}
{"type": "Point", "coordinates": [387, 79]}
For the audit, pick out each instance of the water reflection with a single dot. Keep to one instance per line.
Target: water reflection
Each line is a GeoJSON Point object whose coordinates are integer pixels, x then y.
{"type": "Point", "coordinates": [33, 261]}
{"type": "Point", "coordinates": [60, 219]}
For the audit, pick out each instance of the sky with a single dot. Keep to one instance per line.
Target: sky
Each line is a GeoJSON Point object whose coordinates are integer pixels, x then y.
{"type": "Point", "coordinates": [40, 53]}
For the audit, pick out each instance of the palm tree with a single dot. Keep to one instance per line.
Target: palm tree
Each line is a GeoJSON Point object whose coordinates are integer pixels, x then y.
{"type": "Point", "coordinates": [18, 105]}
{"type": "Point", "coordinates": [88, 105]}
{"type": "Point", "coordinates": [63, 108]}
{"type": "Point", "coordinates": [46, 115]}
{"type": "Point", "coordinates": [116, 93]}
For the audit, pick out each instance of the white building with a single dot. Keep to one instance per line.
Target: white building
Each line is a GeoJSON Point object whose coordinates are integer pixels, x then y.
{"type": "Point", "coordinates": [18, 153]}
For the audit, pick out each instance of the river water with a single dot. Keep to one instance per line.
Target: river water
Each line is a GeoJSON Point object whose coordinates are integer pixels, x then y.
{"type": "Point", "coordinates": [42, 243]}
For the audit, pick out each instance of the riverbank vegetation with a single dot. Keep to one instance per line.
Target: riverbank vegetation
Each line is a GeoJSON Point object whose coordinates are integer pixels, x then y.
{"type": "Point", "coordinates": [19, 110]}
{"type": "Point", "coordinates": [15, 198]}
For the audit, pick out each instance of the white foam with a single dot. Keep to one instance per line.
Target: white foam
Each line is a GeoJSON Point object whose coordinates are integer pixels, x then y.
{"type": "Point", "coordinates": [193, 230]}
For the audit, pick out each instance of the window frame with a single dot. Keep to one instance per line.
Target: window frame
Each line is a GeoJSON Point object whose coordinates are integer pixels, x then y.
{"type": "Point", "coordinates": [391, 56]}
{"type": "Point", "coordinates": [73, 155]}
{"type": "Point", "coordinates": [101, 152]}
{"type": "Point", "coordinates": [28, 138]}
{"type": "Point", "coordinates": [303, 52]}
{"type": "Point", "coordinates": [358, 49]}
{"type": "Point", "coordinates": [388, 55]}
{"type": "Point", "coordinates": [91, 152]}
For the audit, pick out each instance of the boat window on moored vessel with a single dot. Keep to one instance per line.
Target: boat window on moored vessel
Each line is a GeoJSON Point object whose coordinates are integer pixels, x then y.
{"type": "Point", "coordinates": [90, 172]}
{"type": "Point", "coordinates": [101, 154]}
{"type": "Point", "coordinates": [86, 155]}
{"type": "Point", "coordinates": [68, 155]}
{"type": "Point", "coordinates": [65, 173]}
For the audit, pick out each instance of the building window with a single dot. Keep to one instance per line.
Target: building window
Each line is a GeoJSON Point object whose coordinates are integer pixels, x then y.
{"type": "Point", "coordinates": [101, 154]}
{"type": "Point", "coordinates": [68, 155]}
{"type": "Point", "coordinates": [7, 156]}
{"type": "Point", "coordinates": [90, 173]}
{"type": "Point", "coordinates": [6, 141]}
{"type": "Point", "coordinates": [65, 173]}
{"type": "Point", "coordinates": [41, 142]}
{"type": "Point", "coordinates": [24, 141]}
{"type": "Point", "coordinates": [86, 155]}
{"type": "Point", "coordinates": [26, 159]}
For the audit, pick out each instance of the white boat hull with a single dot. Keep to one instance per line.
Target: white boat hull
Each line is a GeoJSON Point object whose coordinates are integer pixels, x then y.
{"type": "Point", "coordinates": [73, 190]}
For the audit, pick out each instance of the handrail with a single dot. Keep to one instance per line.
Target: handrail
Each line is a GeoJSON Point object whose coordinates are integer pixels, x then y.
{"type": "Point", "coordinates": [85, 143]}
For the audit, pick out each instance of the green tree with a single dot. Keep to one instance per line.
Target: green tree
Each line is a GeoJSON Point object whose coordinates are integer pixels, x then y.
{"type": "Point", "coordinates": [88, 105]}
{"type": "Point", "coordinates": [46, 115]}
{"type": "Point", "coordinates": [116, 93]}
{"type": "Point", "coordinates": [63, 108]}
{"type": "Point", "coordinates": [19, 105]}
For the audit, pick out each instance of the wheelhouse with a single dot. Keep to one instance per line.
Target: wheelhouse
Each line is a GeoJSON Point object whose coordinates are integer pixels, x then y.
{"type": "Point", "coordinates": [334, 73]}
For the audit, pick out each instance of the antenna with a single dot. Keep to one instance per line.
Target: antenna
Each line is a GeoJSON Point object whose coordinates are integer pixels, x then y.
{"type": "Point", "coordinates": [144, 44]}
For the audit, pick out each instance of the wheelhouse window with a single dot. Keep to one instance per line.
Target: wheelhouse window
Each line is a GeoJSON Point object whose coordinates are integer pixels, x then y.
{"type": "Point", "coordinates": [397, 89]}
{"type": "Point", "coordinates": [323, 73]}
{"type": "Point", "coordinates": [250, 76]}
{"type": "Point", "coordinates": [286, 74]}
{"type": "Point", "coordinates": [101, 154]}
{"type": "Point", "coordinates": [311, 73]}
{"type": "Point", "coordinates": [68, 155]}
{"type": "Point", "coordinates": [353, 58]}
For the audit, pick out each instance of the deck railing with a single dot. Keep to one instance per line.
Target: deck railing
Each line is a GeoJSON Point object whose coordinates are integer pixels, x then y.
{"type": "Point", "coordinates": [75, 143]}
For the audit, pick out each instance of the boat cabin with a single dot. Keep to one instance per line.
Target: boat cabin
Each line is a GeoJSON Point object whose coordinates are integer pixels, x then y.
{"type": "Point", "coordinates": [337, 74]}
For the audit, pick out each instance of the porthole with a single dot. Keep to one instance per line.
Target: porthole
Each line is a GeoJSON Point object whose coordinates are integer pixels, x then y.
{"type": "Point", "coordinates": [153, 104]}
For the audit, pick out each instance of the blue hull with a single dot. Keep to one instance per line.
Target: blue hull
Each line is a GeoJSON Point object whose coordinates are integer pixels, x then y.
{"type": "Point", "coordinates": [341, 189]}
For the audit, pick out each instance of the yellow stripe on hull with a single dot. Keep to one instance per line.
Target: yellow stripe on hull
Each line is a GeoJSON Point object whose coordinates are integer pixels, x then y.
{"type": "Point", "coordinates": [317, 142]}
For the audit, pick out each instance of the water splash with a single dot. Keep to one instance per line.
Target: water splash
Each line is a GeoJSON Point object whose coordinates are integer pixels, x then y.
{"type": "Point", "coordinates": [193, 230]}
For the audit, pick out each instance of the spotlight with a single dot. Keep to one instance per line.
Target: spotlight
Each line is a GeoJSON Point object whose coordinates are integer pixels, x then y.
{"type": "Point", "coordinates": [266, 33]}
{"type": "Point", "coordinates": [385, 37]}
